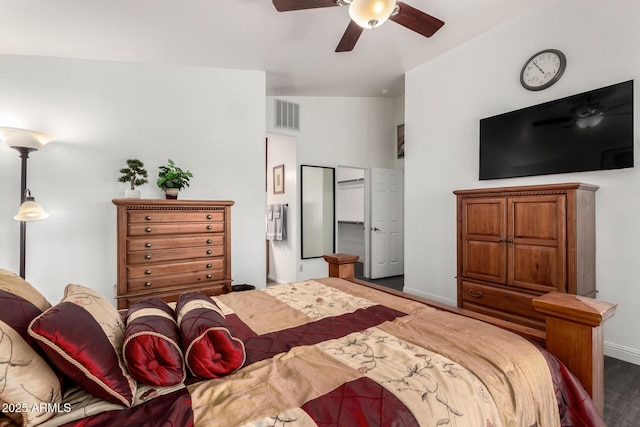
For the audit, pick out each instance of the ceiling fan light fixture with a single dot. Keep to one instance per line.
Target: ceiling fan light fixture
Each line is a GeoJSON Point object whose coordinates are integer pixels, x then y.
{"type": "Point", "coordinates": [589, 121]}
{"type": "Point", "coordinates": [370, 14]}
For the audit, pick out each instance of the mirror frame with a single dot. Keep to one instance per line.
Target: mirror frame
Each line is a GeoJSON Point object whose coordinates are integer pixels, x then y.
{"type": "Point", "coordinates": [323, 226]}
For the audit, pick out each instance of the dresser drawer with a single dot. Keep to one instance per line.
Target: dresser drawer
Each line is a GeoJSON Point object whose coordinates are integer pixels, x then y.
{"type": "Point", "coordinates": [159, 229]}
{"type": "Point", "coordinates": [153, 256]}
{"type": "Point", "coordinates": [500, 300]}
{"type": "Point", "coordinates": [171, 294]}
{"type": "Point", "coordinates": [173, 280]}
{"type": "Point", "coordinates": [156, 270]}
{"type": "Point", "coordinates": [152, 242]}
{"type": "Point", "coordinates": [174, 216]}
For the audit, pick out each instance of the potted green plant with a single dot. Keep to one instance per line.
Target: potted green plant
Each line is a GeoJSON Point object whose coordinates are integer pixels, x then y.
{"type": "Point", "coordinates": [172, 179]}
{"type": "Point", "coordinates": [135, 175]}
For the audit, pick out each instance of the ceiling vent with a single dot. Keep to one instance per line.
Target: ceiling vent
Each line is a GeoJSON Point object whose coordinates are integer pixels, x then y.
{"type": "Point", "coordinates": [287, 115]}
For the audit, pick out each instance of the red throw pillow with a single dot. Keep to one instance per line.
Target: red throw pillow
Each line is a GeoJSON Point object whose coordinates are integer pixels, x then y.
{"type": "Point", "coordinates": [211, 349]}
{"type": "Point", "coordinates": [82, 336]}
{"type": "Point", "coordinates": [151, 347]}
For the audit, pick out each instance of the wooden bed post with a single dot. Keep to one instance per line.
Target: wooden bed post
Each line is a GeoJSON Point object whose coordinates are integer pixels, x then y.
{"type": "Point", "coordinates": [341, 265]}
{"type": "Point", "coordinates": [575, 336]}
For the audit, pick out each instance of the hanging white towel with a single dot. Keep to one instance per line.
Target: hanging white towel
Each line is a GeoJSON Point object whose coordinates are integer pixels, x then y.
{"type": "Point", "coordinates": [279, 222]}
{"type": "Point", "coordinates": [270, 224]}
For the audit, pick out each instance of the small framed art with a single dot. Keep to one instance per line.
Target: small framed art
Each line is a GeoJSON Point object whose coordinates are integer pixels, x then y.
{"type": "Point", "coordinates": [278, 179]}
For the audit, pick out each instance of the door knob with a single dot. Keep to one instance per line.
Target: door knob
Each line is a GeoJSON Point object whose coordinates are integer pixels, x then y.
{"type": "Point", "coordinates": [376, 229]}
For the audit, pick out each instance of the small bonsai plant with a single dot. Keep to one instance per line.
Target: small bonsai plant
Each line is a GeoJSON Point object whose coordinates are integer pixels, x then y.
{"type": "Point", "coordinates": [173, 177]}
{"type": "Point", "coordinates": [135, 175]}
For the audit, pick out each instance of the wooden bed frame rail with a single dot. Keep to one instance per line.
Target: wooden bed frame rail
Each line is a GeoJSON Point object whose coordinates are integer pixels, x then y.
{"type": "Point", "coordinates": [574, 327]}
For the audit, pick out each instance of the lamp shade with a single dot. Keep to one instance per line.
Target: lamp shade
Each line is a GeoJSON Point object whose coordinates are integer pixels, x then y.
{"type": "Point", "coordinates": [371, 13]}
{"type": "Point", "coordinates": [30, 210]}
{"type": "Point", "coordinates": [16, 137]}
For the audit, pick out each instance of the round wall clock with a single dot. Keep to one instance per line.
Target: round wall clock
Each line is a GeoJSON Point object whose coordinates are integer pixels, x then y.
{"type": "Point", "coordinates": [543, 69]}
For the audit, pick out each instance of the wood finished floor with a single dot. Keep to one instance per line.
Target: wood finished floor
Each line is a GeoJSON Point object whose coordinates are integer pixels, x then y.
{"type": "Point", "coordinates": [621, 380]}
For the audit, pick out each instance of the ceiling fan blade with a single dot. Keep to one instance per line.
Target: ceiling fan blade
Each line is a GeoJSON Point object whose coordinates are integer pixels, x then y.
{"type": "Point", "coordinates": [416, 20]}
{"type": "Point", "coordinates": [554, 121]}
{"type": "Point", "coordinates": [350, 37]}
{"type": "Point", "coordinates": [287, 5]}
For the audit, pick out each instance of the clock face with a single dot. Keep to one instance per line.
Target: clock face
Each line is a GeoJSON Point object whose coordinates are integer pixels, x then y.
{"type": "Point", "coordinates": [543, 69]}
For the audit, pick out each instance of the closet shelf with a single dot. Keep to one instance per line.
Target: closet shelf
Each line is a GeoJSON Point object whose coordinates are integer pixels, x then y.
{"type": "Point", "coordinates": [350, 222]}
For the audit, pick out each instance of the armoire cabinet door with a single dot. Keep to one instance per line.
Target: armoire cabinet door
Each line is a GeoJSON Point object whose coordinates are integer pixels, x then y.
{"type": "Point", "coordinates": [536, 241]}
{"type": "Point", "coordinates": [483, 226]}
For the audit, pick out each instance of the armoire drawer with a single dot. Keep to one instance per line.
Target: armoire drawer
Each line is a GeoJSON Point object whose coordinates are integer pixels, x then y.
{"type": "Point", "coordinates": [500, 299]}
{"type": "Point", "coordinates": [175, 216]}
{"type": "Point", "coordinates": [509, 317]}
{"type": "Point", "coordinates": [158, 255]}
{"type": "Point", "coordinates": [171, 242]}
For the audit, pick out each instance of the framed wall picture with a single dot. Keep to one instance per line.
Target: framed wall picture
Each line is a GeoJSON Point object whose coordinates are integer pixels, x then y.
{"type": "Point", "coordinates": [400, 139]}
{"type": "Point", "coordinates": [278, 179]}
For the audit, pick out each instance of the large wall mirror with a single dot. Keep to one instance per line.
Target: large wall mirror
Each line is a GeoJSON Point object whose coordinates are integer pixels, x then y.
{"type": "Point", "coordinates": [318, 211]}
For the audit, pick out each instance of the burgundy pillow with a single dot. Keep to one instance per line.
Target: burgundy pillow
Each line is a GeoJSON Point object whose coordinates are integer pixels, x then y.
{"type": "Point", "coordinates": [26, 379]}
{"type": "Point", "coordinates": [211, 349]}
{"type": "Point", "coordinates": [82, 336]}
{"type": "Point", "coordinates": [151, 347]}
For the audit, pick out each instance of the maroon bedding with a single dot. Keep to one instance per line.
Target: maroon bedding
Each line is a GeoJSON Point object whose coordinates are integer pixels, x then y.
{"type": "Point", "coordinates": [330, 352]}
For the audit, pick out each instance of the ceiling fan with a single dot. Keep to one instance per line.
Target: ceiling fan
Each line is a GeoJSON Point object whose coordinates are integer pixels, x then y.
{"type": "Point", "coordinates": [585, 115]}
{"type": "Point", "coordinates": [369, 14]}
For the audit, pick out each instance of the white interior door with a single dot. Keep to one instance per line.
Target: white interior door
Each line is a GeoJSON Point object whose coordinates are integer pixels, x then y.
{"type": "Point", "coordinates": [387, 223]}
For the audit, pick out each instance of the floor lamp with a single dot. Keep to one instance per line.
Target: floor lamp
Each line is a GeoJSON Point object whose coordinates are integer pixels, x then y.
{"type": "Point", "coordinates": [25, 141]}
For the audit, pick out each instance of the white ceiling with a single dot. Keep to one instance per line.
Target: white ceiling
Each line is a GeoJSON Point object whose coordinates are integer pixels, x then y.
{"type": "Point", "coordinates": [296, 49]}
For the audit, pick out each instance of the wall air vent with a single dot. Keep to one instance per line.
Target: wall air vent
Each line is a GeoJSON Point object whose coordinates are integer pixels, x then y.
{"type": "Point", "coordinates": [287, 115]}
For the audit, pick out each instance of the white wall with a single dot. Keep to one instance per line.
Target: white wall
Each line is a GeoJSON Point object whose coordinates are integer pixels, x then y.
{"type": "Point", "coordinates": [282, 253]}
{"type": "Point", "coordinates": [337, 131]}
{"type": "Point", "coordinates": [209, 121]}
{"type": "Point", "coordinates": [447, 96]}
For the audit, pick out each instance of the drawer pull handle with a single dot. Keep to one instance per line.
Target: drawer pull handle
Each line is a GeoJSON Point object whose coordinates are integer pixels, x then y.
{"type": "Point", "coordinates": [209, 216]}
{"type": "Point", "coordinates": [209, 276]}
{"type": "Point", "coordinates": [147, 272]}
{"type": "Point", "coordinates": [148, 217]}
{"type": "Point", "coordinates": [209, 252]}
{"type": "Point", "coordinates": [147, 256]}
{"type": "Point", "coordinates": [209, 227]}
{"type": "Point", "coordinates": [209, 266]}
{"type": "Point", "coordinates": [148, 229]}
{"type": "Point", "coordinates": [209, 241]}
{"type": "Point", "coordinates": [475, 294]}
{"type": "Point", "coordinates": [147, 284]}
{"type": "Point", "coordinates": [147, 245]}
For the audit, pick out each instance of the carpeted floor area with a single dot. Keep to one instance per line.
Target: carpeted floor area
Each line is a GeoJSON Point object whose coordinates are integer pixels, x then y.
{"type": "Point", "coordinates": [621, 393]}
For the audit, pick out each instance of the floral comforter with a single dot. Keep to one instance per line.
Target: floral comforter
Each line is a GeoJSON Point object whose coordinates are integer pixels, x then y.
{"type": "Point", "coordinates": [329, 352]}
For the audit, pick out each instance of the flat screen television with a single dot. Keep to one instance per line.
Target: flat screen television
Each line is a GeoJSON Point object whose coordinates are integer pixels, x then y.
{"type": "Point", "coordinates": [585, 132]}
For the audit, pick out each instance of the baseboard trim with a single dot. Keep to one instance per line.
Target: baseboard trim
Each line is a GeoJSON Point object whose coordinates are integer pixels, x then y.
{"type": "Point", "coordinates": [275, 279]}
{"type": "Point", "coordinates": [627, 354]}
{"type": "Point", "coordinates": [432, 297]}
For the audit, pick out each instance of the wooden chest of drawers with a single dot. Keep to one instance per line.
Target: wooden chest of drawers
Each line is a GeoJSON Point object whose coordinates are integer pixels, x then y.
{"type": "Point", "coordinates": [168, 247]}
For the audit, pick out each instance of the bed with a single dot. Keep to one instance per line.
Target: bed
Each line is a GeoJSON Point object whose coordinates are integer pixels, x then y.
{"type": "Point", "coordinates": [325, 352]}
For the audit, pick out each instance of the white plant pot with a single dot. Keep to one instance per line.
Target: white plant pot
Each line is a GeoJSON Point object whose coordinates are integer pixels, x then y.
{"type": "Point", "coordinates": [171, 193]}
{"type": "Point", "coordinates": [132, 194]}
